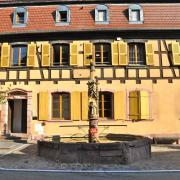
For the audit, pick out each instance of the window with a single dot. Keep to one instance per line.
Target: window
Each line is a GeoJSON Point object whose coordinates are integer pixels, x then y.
{"type": "Point", "coordinates": [19, 55]}
{"type": "Point", "coordinates": [20, 17]}
{"type": "Point", "coordinates": [60, 54]}
{"type": "Point", "coordinates": [102, 53]}
{"type": "Point", "coordinates": [61, 106]}
{"type": "Point", "coordinates": [139, 105]}
{"type": "Point", "coordinates": [105, 105]}
{"type": "Point", "coordinates": [101, 14]}
{"type": "Point", "coordinates": [135, 14]}
{"type": "Point", "coordinates": [62, 15]}
{"type": "Point", "coordinates": [137, 53]}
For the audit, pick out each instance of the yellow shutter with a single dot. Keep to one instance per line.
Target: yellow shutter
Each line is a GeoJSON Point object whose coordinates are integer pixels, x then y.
{"type": "Point", "coordinates": [31, 54]}
{"type": "Point", "coordinates": [5, 55]}
{"type": "Point", "coordinates": [122, 53]}
{"type": "Point", "coordinates": [75, 106]}
{"type": "Point", "coordinates": [145, 105]}
{"type": "Point", "coordinates": [134, 105]}
{"type": "Point", "coordinates": [175, 53]}
{"type": "Point", "coordinates": [87, 53]}
{"type": "Point", "coordinates": [119, 105]}
{"type": "Point", "coordinates": [46, 54]}
{"type": "Point", "coordinates": [43, 106]}
{"type": "Point", "coordinates": [84, 105]}
{"type": "Point", "coordinates": [149, 54]}
{"type": "Point", "coordinates": [73, 54]}
{"type": "Point", "coordinates": [114, 53]}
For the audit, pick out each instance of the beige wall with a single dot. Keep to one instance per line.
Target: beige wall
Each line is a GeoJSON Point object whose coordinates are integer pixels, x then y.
{"type": "Point", "coordinates": [165, 108]}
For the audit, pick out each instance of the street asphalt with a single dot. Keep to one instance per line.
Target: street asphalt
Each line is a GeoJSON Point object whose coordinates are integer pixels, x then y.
{"type": "Point", "coordinates": [9, 175]}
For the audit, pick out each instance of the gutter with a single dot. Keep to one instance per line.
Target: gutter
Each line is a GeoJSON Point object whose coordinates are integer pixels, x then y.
{"type": "Point", "coordinates": [91, 171]}
{"type": "Point", "coordinates": [92, 30]}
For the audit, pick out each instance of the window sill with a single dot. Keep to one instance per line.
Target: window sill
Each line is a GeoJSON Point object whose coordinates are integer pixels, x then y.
{"type": "Point", "coordinates": [60, 65]}
{"type": "Point", "coordinates": [101, 22]}
{"type": "Point", "coordinates": [59, 120]}
{"type": "Point", "coordinates": [136, 22]}
{"type": "Point", "coordinates": [139, 120]}
{"type": "Point", "coordinates": [62, 24]}
{"type": "Point", "coordinates": [106, 119]}
{"type": "Point", "coordinates": [98, 65]}
{"type": "Point", "coordinates": [17, 67]}
{"type": "Point", "coordinates": [136, 66]}
{"type": "Point", "coordinates": [19, 25]}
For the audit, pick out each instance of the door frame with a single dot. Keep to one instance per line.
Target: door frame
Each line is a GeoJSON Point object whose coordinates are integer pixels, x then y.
{"type": "Point", "coordinates": [19, 94]}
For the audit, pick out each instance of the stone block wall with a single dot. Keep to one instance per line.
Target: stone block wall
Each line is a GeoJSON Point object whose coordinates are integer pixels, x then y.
{"type": "Point", "coordinates": [100, 153]}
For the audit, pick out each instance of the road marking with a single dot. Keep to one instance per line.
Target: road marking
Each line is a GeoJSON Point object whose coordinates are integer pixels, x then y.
{"type": "Point", "coordinates": [91, 171]}
{"type": "Point", "coordinates": [18, 148]}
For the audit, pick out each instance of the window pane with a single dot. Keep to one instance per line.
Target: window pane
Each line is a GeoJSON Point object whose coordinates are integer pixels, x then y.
{"type": "Point", "coordinates": [56, 54]}
{"type": "Point", "coordinates": [137, 53]}
{"type": "Point", "coordinates": [15, 56]}
{"type": "Point", "coordinates": [102, 15]}
{"type": "Point", "coordinates": [135, 15]}
{"type": "Point", "coordinates": [102, 53]}
{"type": "Point", "coordinates": [20, 18]}
{"type": "Point", "coordinates": [141, 53]}
{"type": "Point", "coordinates": [65, 106]}
{"type": "Point", "coordinates": [55, 106]}
{"type": "Point", "coordinates": [23, 55]}
{"type": "Point", "coordinates": [106, 53]}
{"type": "Point", "coordinates": [131, 53]}
{"type": "Point", "coordinates": [97, 53]}
{"type": "Point", "coordinates": [63, 16]}
{"type": "Point", "coordinates": [65, 54]}
{"type": "Point", "coordinates": [105, 105]}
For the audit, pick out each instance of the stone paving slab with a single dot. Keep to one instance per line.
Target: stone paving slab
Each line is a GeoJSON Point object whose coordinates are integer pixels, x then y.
{"type": "Point", "coordinates": [163, 157]}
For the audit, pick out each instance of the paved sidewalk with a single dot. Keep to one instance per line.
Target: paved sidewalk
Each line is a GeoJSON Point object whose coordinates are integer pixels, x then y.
{"type": "Point", "coordinates": [20, 155]}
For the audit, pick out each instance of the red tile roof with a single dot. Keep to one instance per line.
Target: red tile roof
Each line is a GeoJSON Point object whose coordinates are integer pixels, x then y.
{"type": "Point", "coordinates": [41, 18]}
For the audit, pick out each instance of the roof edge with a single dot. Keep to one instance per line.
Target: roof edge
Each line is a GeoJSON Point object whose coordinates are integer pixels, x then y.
{"type": "Point", "coordinates": [7, 3]}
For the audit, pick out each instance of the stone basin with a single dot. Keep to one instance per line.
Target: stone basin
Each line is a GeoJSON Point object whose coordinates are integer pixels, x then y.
{"type": "Point", "coordinates": [123, 152]}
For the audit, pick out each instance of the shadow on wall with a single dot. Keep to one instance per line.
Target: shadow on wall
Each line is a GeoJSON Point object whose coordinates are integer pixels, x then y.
{"type": "Point", "coordinates": [122, 137]}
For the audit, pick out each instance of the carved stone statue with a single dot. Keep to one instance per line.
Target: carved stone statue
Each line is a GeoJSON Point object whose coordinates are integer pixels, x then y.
{"type": "Point", "coordinates": [93, 105]}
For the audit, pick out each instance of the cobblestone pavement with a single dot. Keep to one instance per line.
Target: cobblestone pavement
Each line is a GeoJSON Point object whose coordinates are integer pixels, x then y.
{"type": "Point", "coordinates": [21, 155]}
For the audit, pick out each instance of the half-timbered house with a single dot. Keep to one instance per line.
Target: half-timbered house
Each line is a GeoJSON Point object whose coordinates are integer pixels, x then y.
{"type": "Point", "coordinates": [46, 48]}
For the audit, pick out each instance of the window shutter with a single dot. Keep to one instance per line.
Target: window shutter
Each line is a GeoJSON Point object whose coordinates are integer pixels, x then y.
{"type": "Point", "coordinates": [46, 54]}
{"type": "Point", "coordinates": [73, 54]}
{"type": "Point", "coordinates": [43, 106]}
{"type": "Point", "coordinates": [145, 105]}
{"type": "Point", "coordinates": [141, 15]}
{"type": "Point", "coordinates": [149, 54]}
{"type": "Point", "coordinates": [75, 105]}
{"type": "Point", "coordinates": [175, 53]}
{"type": "Point", "coordinates": [5, 55]}
{"type": "Point", "coordinates": [87, 53]}
{"type": "Point", "coordinates": [96, 15]}
{"type": "Point", "coordinates": [119, 105]}
{"type": "Point", "coordinates": [122, 53]}
{"type": "Point", "coordinates": [114, 53]}
{"type": "Point", "coordinates": [84, 105]}
{"type": "Point", "coordinates": [31, 54]}
{"type": "Point", "coordinates": [130, 14]}
{"type": "Point", "coordinates": [134, 105]}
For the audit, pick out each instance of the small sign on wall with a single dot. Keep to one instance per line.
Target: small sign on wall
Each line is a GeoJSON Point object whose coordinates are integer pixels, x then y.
{"type": "Point", "coordinates": [39, 129]}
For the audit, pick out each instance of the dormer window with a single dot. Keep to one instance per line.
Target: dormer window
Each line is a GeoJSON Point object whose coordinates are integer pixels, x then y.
{"type": "Point", "coordinates": [62, 15]}
{"type": "Point", "coordinates": [101, 14]}
{"type": "Point", "coordinates": [20, 17]}
{"type": "Point", "coordinates": [135, 14]}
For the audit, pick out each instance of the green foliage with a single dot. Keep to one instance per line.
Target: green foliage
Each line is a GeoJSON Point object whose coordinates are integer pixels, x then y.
{"type": "Point", "coordinates": [3, 95]}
